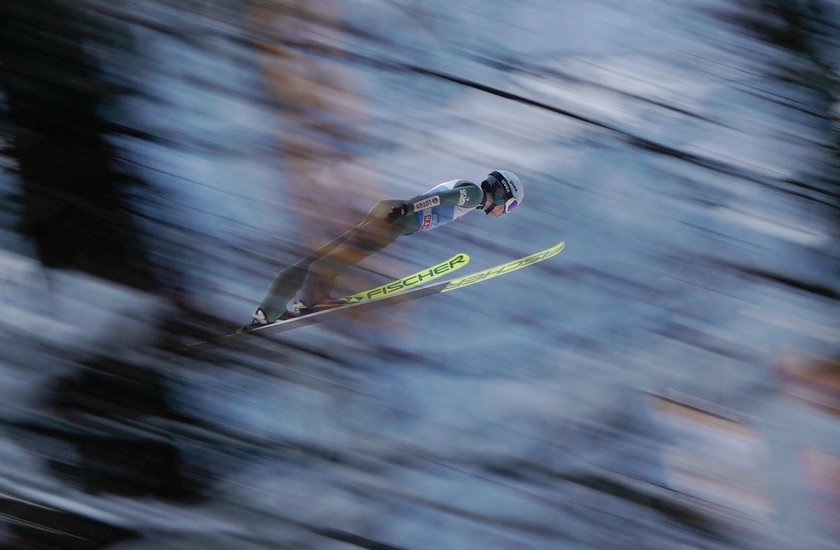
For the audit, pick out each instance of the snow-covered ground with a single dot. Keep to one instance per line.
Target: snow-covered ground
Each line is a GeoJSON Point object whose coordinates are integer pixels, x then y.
{"type": "Point", "coordinates": [693, 189]}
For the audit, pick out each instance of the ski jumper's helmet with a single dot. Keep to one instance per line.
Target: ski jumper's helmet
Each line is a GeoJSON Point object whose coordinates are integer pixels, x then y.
{"type": "Point", "coordinates": [505, 188]}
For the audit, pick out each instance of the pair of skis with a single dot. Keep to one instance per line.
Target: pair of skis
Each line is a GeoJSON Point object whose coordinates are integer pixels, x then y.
{"type": "Point", "coordinates": [401, 290]}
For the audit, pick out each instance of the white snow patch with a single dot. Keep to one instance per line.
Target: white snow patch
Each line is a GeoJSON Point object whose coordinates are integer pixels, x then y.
{"type": "Point", "coordinates": [72, 310]}
{"type": "Point", "coordinates": [786, 230]}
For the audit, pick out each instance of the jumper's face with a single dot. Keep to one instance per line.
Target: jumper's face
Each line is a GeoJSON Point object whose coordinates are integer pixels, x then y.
{"type": "Point", "coordinates": [503, 198]}
{"type": "Point", "coordinates": [497, 210]}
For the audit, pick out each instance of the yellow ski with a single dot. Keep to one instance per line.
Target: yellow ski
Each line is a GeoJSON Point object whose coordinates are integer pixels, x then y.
{"type": "Point", "coordinates": [407, 288]}
{"type": "Point", "coordinates": [407, 283]}
{"type": "Point", "coordinates": [503, 269]}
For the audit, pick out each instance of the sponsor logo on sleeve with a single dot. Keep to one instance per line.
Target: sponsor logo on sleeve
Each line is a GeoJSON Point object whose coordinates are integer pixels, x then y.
{"type": "Point", "coordinates": [462, 197]}
{"type": "Point", "coordinates": [427, 203]}
{"type": "Point", "coordinates": [427, 222]}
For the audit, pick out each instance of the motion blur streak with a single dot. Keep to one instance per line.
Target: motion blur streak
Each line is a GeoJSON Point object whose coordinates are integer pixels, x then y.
{"type": "Point", "coordinates": [670, 381]}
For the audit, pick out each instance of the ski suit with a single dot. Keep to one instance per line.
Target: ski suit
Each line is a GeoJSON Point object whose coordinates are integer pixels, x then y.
{"type": "Point", "coordinates": [316, 274]}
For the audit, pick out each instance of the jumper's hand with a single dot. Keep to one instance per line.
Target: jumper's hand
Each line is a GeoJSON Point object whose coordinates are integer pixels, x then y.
{"type": "Point", "coordinates": [397, 212]}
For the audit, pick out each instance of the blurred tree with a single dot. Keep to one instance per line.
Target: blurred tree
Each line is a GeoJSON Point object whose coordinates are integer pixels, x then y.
{"type": "Point", "coordinates": [807, 29]}
{"type": "Point", "coordinates": [73, 194]}
{"type": "Point", "coordinates": [74, 206]}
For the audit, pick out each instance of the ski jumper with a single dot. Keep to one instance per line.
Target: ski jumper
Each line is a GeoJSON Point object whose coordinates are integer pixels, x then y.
{"type": "Point", "coordinates": [316, 274]}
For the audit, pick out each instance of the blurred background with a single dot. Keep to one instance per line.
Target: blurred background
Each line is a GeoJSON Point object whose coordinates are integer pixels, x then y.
{"type": "Point", "coordinates": [670, 381]}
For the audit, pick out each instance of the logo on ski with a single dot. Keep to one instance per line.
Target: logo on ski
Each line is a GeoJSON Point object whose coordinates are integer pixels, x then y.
{"type": "Point", "coordinates": [455, 262]}
{"type": "Point", "coordinates": [504, 268]}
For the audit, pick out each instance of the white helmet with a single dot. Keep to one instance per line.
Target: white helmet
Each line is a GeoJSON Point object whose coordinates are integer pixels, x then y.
{"type": "Point", "coordinates": [505, 188]}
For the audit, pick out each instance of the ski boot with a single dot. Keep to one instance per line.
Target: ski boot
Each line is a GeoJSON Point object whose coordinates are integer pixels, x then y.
{"type": "Point", "coordinates": [294, 309]}
{"type": "Point", "coordinates": [298, 308]}
{"type": "Point", "coordinates": [259, 318]}
{"type": "Point", "coordinates": [258, 321]}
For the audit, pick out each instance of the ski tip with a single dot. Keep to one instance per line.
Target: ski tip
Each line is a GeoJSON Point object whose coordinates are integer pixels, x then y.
{"type": "Point", "coordinates": [556, 249]}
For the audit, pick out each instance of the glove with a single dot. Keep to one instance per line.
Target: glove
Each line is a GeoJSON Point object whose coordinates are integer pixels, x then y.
{"type": "Point", "coordinates": [398, 211]}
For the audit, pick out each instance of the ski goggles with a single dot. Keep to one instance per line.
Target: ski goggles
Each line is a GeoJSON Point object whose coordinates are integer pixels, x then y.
{"type": "Point", "coordinates": [502, 197]}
